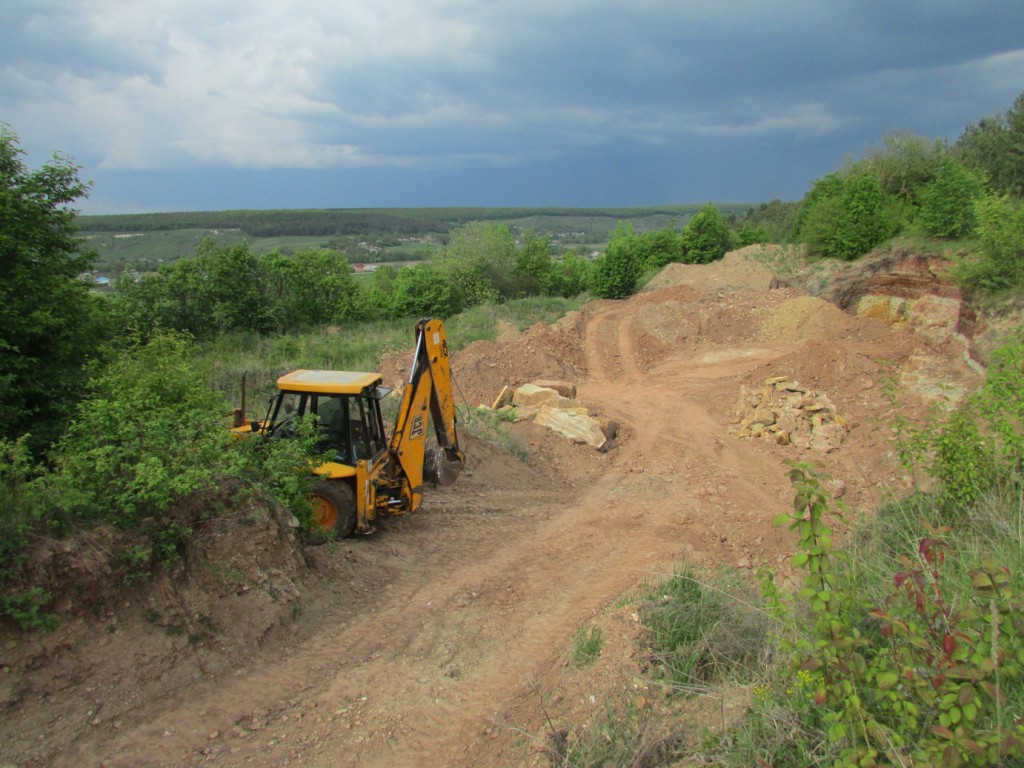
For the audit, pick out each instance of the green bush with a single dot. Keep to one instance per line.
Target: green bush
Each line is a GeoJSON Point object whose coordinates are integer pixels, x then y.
{"type": "Point", "coordinates": [616, 273]}
{"type": "Point", "coordinates": [707, 237]}
{"type": "Point", "coordinates": [150, 431]}
{"type": "Point", "coordinates": [845, 216]}
{"type": "Point", "coordinates": [919, 677]}
{"type": "Point", "coordinates": [979, 446]}
{"type": "Point", "coordinates": [947, 201]}
{"type": "Point", "coordinates": [570, 276]}
{"type": "Point", "coordinates": [999, 263]}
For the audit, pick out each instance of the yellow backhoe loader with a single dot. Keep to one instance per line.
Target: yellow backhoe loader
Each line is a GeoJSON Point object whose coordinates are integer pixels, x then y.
{"type": "Point", "coordinates": [370, 474]}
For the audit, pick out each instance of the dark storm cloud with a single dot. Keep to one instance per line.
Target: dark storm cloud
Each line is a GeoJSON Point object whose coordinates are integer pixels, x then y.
{"type": "Point", "coordinates": [226, 103]}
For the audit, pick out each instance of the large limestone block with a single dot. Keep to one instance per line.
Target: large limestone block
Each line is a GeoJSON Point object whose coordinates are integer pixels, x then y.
{"type": "Point", "coordinates": [564, 388]}
{"type": "Point", "coordinates": [575, 426]}
{"type": "Point", "coordinates": [532, 396]}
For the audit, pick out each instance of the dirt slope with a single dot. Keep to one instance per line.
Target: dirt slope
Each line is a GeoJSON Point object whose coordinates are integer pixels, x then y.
{"type": "Point", "coordinates": [443, 639]}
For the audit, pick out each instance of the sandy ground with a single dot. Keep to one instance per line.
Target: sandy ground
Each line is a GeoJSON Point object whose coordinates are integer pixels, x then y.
{"type": "Point", "coordinates": [444, 639]}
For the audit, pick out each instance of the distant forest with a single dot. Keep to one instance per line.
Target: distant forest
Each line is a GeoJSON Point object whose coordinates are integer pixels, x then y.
{"type": "Point", "coordinates": [354, 221]}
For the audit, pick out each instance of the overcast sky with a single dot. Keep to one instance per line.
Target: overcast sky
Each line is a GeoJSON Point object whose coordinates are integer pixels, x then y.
{"type": "Point", "coordinates": [175, 105]}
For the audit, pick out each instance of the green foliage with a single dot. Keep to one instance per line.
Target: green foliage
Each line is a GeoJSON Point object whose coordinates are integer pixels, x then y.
{"type": "Point", "coordinates": [586, 646]}
{"type": "Point", "coordinates": [658, 248]}
{"type": "Point", "coordinates": [919, 677]}
{"type": "Point", "coordinates": [26, 608]}
{"type": "Point", "coordinates": [979, 446]}
{"type": "Point", "coordinates": [532, 271]}
{"type": "Point", "coordinates": [845, 216]}
{"type": "Point", "coordinates": [707, 237]}
{"type": "Point", "coordinates": [228, 288]}
{"type": "Point", "coordinates": [480, 262]}
{"type": "Point", "coordinates": [310, 288]}
{"type": "Point", "coordinates": [903, 166]}
{"type": "Point", "coordinates": [994, 147]}
{"type": "Point", "coordinates": [148, 434]}
{"type": "Point", "coordinates": [772, 222]}
{"type": "Point", "coordinates": [616, 272]}
{"type": "Point", "coordinates": [751, 235]}
{"type": "Point", "coordinates": [50, 325]}
{"type": "Point", "coordinates": [425, 290]}
{"type": "Point", "coordinates": [999, 264]}
{"type": "Point", "coordinates": [569, 276]}
{"type": "Point", "coordinates": [18, 505]}
{"type": "Point", "coordinates": [947, 201]}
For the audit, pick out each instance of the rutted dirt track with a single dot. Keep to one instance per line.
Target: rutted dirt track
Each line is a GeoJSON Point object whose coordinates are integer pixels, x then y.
{"type": "Point", "coordinates": [443, 639]}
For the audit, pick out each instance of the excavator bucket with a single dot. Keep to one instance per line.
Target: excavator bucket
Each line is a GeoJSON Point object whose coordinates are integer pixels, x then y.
{"type": "Point", "coordinates": [438, 468]}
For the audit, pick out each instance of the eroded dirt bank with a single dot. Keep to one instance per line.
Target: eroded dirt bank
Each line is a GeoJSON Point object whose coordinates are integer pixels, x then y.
{"type": "Point", "coordinates": [443, 639]}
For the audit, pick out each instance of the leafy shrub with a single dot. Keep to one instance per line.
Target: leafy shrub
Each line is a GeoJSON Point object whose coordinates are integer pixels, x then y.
{"type": "Point", "coordinates": [426, 291]}
{"type": "Point", "coordinates": [845, 216]}
{"type": "Point", "coordinates": [947, 201]}
{"type": "Point", "coordinates": [920, 677]}
{"type": "Point", "coordinates": [707, 237]}
{"type": "Point", "coordinates": [150, 431]}
{"type": "Point", "coordinates": [616, 272]}
{"type": "Point", "coordinates": [1000, 262]}
{"type": "Point", "coordinates": [658, 248]}
{"type": "Point", "coordinates": [570, 276]}
{"type": "Point", "coordinates": [980, 445]}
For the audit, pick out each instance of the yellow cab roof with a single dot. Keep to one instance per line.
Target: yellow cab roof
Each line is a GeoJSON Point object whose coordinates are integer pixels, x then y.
{"type": "Point", "coordinates": [328, 382]}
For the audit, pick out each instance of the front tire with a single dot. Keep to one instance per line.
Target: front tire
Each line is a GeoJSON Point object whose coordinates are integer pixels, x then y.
{"type": "Point", "coordinates": [334, 508]}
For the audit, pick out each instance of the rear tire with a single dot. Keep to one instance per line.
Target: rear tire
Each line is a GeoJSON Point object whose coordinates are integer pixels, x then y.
{"type": "Point", "coordinates": [334, 508]}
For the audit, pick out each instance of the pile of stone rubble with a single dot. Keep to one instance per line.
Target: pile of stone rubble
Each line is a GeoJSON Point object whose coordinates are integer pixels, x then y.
{"type": "Point", "coordinates": [781, 411]}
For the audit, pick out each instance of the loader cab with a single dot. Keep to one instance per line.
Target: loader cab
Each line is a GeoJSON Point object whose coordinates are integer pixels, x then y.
{"type": "Point", "coordinates": [346, 406]}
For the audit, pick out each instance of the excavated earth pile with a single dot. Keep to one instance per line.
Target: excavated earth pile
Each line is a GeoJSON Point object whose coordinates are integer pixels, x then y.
{"type": "Point", "coordinates": [445, 638]}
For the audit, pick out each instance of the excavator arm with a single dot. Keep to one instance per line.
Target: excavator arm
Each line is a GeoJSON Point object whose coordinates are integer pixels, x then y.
{"type": "Point", "coordinates": [430, 393]}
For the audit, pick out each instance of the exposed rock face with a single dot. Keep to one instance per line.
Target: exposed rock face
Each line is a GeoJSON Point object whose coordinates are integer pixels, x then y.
{"type": "Point", "coordinates": [897, 273]}
{"type": "Point", "coordinates": [936, 318]}
{"type": "Point", "coordinates": [781, 411]}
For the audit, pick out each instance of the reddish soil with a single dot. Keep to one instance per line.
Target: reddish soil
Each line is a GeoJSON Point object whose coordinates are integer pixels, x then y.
{"type": "Point", "coordinates": [445, 638]}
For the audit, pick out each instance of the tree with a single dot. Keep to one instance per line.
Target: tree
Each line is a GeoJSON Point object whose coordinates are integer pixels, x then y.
{"type": "Point", "coordinates": [772, 222]}
{"type": "Point", "coordinates": [658, 248]}
{"type": "Point", "coordinates": [50, 325]}
{"type": "Point", "coordinates": [947, 201]}
{"type": "Point", "coordinates": [903, 165]}
{"type": "Point", "coordinates": [313, 287]}
{"type": "Point", "coordinates": [707, 236]}
{"type": "Point", "coordinates": [423, 291]}
{"type": "Point", "coordinates": [845, 216]}
{"type": "Point", "coordinates": [995, 146]}
{"type": "Point", "coordinates": [533, 264]}
{"type": "Point", "coordinates": [568, 277]}
{"type": "Point", "coordinates": [480, 262]}
{"type": "Point", "coordinates": [617, 271]}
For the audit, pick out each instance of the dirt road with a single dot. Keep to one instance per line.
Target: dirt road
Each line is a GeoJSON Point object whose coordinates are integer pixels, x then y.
{"type": "Point", "coordinates": [443, 639]}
